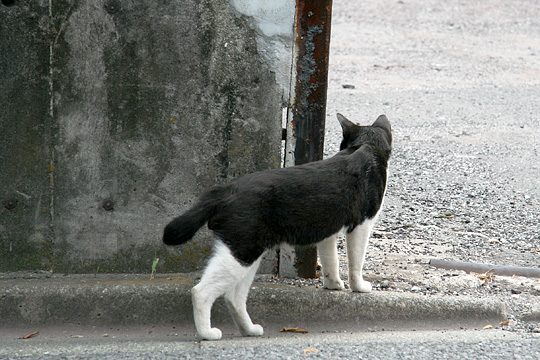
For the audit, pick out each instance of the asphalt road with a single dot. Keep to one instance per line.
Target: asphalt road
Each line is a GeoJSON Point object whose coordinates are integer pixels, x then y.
{"type": "Point", "coordinates": [136, 344]}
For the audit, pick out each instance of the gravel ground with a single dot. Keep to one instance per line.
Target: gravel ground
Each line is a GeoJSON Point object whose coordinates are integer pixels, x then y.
{"type": "Point", "coordinates": [460, 83]}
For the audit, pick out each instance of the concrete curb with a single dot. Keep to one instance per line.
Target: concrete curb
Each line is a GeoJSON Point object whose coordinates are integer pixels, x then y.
{"type": "Point", "coordinates": [137, 300]}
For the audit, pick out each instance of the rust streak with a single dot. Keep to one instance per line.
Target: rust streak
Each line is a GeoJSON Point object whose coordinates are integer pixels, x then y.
{"type": "Point", "coordinates": [312, 45]}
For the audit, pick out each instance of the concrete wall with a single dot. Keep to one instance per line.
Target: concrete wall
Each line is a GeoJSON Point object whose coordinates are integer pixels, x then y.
{"type": "Point", "coordinates": [115, 115]}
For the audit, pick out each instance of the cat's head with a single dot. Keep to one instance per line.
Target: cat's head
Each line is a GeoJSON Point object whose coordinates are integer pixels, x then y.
{"type": "Point", "coordinates": [378, 134]}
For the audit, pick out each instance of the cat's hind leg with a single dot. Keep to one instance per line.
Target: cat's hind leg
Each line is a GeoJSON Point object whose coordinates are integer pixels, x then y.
{"type": "Point", "coordinates": [236, 299]}
{"type": "Point", "coordinates": [357, 241]}
{"type": "Point", "coordinates": [222, 273]}
{"type": "Point", "coordinates": [328, 255]}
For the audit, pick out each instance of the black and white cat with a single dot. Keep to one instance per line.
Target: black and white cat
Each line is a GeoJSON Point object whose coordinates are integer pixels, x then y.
{"type": "Point", "coordinates": [300, 205]}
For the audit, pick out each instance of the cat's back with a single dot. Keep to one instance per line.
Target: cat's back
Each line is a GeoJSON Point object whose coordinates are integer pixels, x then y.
{"type": "Point", "coordinates": [290, 178]}
{"type": "Point", "coordinates": [311, 177]}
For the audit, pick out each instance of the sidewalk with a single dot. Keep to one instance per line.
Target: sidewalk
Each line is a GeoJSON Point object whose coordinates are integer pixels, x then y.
{"type": "Point", "coordinates": [138, 300]}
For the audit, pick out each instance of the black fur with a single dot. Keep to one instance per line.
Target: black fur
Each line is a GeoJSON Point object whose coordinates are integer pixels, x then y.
{"type": "Point", "coordinates": [299, 205]}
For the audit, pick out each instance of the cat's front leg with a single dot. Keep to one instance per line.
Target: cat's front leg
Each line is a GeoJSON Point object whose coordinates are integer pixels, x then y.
{"type": "Point", "coordinates": [357, 241]}
{"type": "Point", "coordinates": [328, 256]}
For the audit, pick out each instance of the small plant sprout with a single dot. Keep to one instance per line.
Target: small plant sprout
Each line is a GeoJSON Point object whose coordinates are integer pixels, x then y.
{"type": "Point", "coordinates": [154, 266]}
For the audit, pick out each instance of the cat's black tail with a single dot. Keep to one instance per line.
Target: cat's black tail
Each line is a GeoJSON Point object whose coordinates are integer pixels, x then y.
{"type": "Point", "coordinates": [183, 228]}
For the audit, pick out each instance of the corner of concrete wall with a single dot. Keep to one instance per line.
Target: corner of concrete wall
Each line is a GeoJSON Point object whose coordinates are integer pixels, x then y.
{"type": "Point", "coordinates": [24, 136]}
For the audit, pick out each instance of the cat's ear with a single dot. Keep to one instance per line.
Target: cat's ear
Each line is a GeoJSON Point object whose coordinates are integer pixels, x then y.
{"type": "Point", "coordinates": [346, 125]}
{"type": "Point", "coordinates": [382, 122]}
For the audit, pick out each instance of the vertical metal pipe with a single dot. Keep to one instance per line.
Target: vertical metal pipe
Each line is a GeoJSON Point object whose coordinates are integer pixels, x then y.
{"type": "Point", "coordinates": [308, 108]}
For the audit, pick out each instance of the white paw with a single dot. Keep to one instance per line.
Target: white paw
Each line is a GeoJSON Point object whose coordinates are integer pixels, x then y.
{"type": "Point", "coordinates": [211, 334]}
{"type": "Point", "coordinates": [362, 286]}
{"type": "Point", "coordinates": [333, 284]}
{"type": "Point", "coordinates": [254, 330]}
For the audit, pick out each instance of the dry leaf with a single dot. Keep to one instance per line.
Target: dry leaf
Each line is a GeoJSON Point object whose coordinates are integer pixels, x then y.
{"type": "Point", "coordinates": [487, 327]}
{"type": "Point", "coordinates": [487, 277]}
{"type": "Point", "coordinates": [294, 330]}
{"type": "Point", "coordinates": [310, 350]}
{"type": "Point", "coordinates": [29, 335]}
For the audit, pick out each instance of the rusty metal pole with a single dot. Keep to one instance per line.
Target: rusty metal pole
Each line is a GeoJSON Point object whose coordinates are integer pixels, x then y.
{"type": "Point", "coordinates": [308, 108]}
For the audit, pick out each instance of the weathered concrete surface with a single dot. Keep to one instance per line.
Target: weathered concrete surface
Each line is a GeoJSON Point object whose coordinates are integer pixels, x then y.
{"type": "Point", "coordinates": [137, 300]}
{"type": "Point", "coordinates": [116, 116]}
